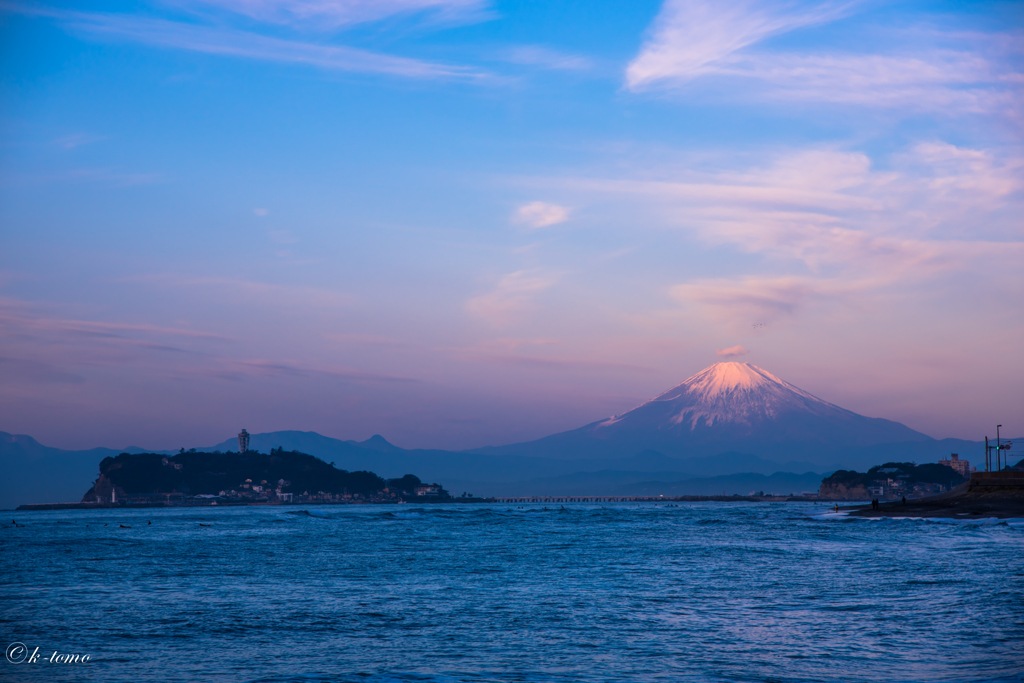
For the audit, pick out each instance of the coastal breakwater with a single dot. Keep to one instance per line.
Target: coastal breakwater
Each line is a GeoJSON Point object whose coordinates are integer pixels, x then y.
{"type": "Point", "coordinates": [992, 482]}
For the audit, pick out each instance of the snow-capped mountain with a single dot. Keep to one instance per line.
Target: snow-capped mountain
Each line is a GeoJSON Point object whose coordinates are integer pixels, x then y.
{"type": "Point", "coordinates": [735, 407]}
{"type": "Point", "coordinates": [738, 393]}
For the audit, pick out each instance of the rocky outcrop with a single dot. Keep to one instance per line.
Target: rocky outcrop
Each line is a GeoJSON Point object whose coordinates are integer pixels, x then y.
{"type": "Point", "coordinates": [103, 491]}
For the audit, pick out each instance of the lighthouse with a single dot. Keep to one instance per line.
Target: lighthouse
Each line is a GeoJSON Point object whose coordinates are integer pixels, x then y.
{"type": "Point", "coordinates": [243, 441]}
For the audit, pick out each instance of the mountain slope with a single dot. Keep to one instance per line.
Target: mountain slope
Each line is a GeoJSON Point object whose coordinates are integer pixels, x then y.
{"type": "Point", "coordinates": [34, 473]}
{"type": "Point", "coordinates": [726, 407]}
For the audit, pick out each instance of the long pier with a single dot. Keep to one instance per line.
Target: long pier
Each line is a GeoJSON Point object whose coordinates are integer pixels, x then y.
{"type": "Point", "coordinates": [632, 499]}
{"type": "Point", "coordinates": [574, 499]}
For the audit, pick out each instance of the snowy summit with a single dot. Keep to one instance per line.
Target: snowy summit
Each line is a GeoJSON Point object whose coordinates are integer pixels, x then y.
{"type": "Point", "coordinates": [733, 392]}
{"type": "Point", "coordinates": [723, 393]}
{"type": "Point", "coordinates": [728, 407]}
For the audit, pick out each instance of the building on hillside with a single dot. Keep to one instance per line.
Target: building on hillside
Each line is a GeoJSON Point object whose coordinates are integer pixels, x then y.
{"type": "Point", "coordinates": [928, 489]}
{"type": "Point", "coordinates": [243, 441]}
{"type": "Point", "coordinates": [961, 467]}
{"type": "Point", "coordinates": [427, 490]}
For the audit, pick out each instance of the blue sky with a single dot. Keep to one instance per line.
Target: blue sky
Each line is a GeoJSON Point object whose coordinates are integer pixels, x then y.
{"type": "Point", "coordinates": [459, 223]}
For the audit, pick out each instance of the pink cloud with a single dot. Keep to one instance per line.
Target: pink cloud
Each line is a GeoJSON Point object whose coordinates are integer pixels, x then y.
{"type": "Point", "coordinates": [540, 214]}
{"type": "Point", "coordinates": [690, 35]}
{"type": "Point", "coordinates": [732, 352]}
{"type": "Point", "coordinates": [717, 42]}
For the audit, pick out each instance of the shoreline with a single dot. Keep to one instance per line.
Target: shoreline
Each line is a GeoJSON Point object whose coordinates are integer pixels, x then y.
{"type": "Point", "coordinates": [499, 500]}
{"type": "Point", "coordinates": [967, 501]}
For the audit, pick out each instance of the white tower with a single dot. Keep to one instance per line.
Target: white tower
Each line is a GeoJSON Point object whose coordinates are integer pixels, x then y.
{"type": "Point", "coordinates": [243, 441]}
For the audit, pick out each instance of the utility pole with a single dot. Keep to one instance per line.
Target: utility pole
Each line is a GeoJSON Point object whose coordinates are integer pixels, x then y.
{"type": "Point", "coordinates": [999, 450]}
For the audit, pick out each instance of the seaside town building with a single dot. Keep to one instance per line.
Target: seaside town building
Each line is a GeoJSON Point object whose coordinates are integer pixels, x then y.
{"type": "Point", "coordinates": [961, 467]}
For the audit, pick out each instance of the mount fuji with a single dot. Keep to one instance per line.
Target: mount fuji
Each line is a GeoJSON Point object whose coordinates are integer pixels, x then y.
{"type": "Point", "coordinates": [727, 428]}
{"type": "Point", "coordinates": [726, 408]}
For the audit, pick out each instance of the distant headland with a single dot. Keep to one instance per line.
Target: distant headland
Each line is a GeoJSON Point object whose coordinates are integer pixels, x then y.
{"type": "Point", "coordinates": [244, 478]}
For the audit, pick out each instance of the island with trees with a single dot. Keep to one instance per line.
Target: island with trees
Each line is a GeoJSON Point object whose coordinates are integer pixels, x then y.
{"type": "Point", "coordinates": [249, 478]}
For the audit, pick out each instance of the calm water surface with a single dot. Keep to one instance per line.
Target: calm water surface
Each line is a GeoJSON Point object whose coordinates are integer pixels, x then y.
{"type": "Point", "coordinates": [699, 592]}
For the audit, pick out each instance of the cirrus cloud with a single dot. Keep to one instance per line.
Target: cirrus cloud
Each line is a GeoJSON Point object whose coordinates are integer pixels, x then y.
{"type": "Point", "coordinates": [948, 72]}
{"type": "Point", "coordinates": [331, 14]}
{"type": "Point", "coordinates": [224, 41]}
{"type": "Point", "coordinates": [690, 35]}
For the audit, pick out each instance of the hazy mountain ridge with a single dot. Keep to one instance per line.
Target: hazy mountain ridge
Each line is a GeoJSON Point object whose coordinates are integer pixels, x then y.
{"type": "Point", "coordinates": [34, 473]}
{"type": "Point", "coordinates": [731, 420]}
{"type": "Point", "coordinates": [37, 473]}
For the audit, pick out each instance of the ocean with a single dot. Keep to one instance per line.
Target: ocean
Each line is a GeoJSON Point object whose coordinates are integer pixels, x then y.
{"type": "Point", "coordinates": [499, 592]}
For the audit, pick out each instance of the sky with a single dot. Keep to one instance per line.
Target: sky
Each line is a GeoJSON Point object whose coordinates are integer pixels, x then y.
{"type": "Point", "coordinates": [460, 223]}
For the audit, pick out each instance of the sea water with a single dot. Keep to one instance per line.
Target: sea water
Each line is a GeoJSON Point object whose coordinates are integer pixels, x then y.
{"type": "Point", "coordinates": [498, 592]}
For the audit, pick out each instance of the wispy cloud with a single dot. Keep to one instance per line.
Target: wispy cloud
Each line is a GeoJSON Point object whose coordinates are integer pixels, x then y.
{"type": "Point", "coordinates": [228, 42]}
{"type": "Point", "coordinates": [14, 318]}
{"type": "Point", "coordinates": [825, 206]}
{"type": "Point", "coordinates": [829, 227]}
{"type": "Point", "coordinates": [333, 14]}
{"type": "Point", "coordinates": [689, 36]}
{"type": "Point", "coordinates": [523, 353]}
{"type": "Point", "coordinates": [41, 348]}
{"type": "Point", "coordinates": [33, 371]}
{"type": "Point", "coordinates": [936, 81]}
{"type": "Point", "coordinates": [732, 352]}
{"type": "Point", "coordinates": [512, 297]}
{"type": "Point", "coordinates": [47, 348]}
{"type": "Point", "coordinates": [751, 300]}
{"type": "Point", "coordinates": [540, 214]}
{"type": "Point", "coordinates": [239, 369]}
{"type": "Point", "coordinates": [951, 73]}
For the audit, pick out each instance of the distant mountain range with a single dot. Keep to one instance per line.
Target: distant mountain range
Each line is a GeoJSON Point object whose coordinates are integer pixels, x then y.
{"type": "Point", "coordinates": [732, 428]}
